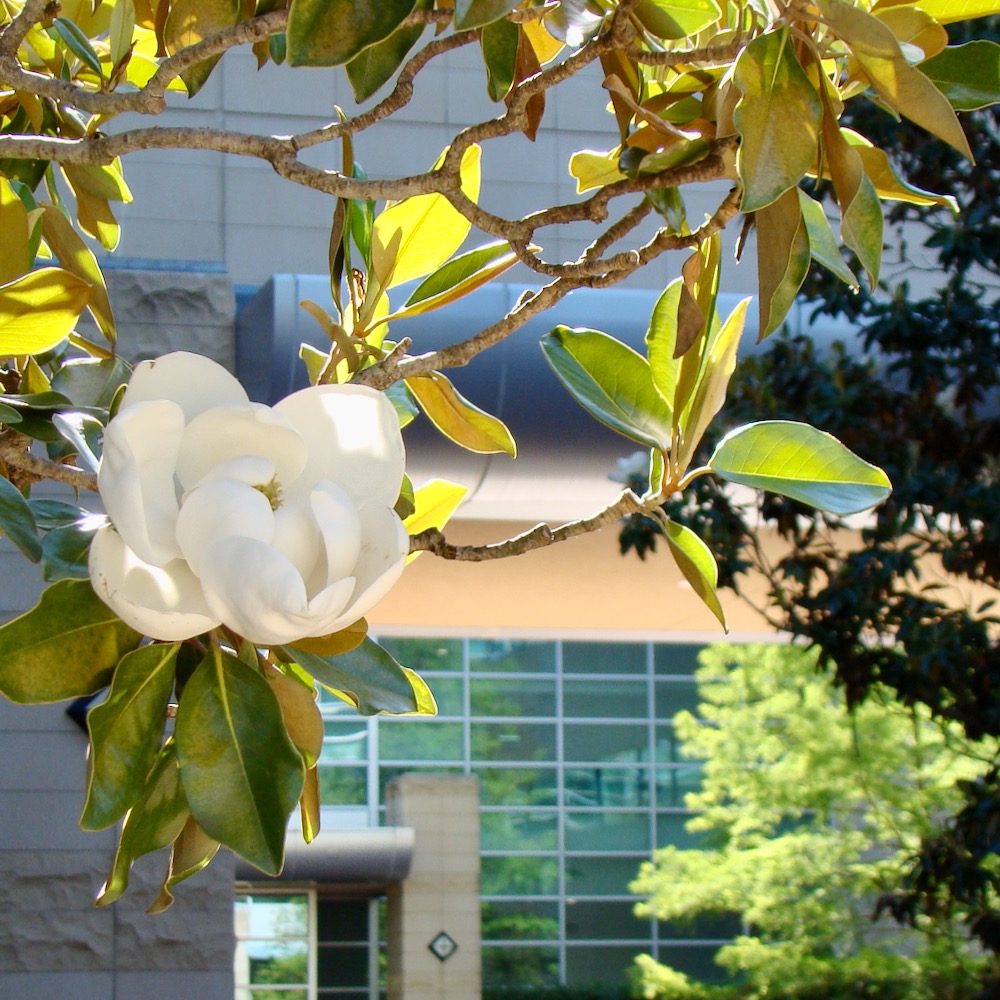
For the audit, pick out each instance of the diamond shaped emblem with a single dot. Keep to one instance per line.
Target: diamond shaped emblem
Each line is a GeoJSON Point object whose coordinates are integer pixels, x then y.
{"type": "Point", "coordinates": [443, 946]}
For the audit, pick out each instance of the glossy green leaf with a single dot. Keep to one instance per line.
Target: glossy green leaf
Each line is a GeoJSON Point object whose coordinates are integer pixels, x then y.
{"type": "Point", "coordinates": [55, 513]}
{"type": "Point", "coordinates": [782, 259]}
{"type": "Point", "coordinates": [368, 677]}
{"type": "Point", "coordinates": [79, 44]}
{"type": "Point", "coordinates": [499, 42]}
{"type": "Point", "coordinates": [333, 32]}
{"type": "Point", "coordinates": [661, 342]}
{"type": "Point", "coordinates": [822, 243]}
{"type": "Point", "coordinates": [376, 64]}
{"type": "Point", "coordinates": [66, 549]}
{"type": "Point", "coordinates": [695, 560]}
{"type": "Point", "coordinates": [8, 415]}
{"type": "Point", "coordinates": [459, 276]}
{"type": "Point", "coordinates": [17, 521]}
{"type": "Point", "coordinates": [153, 822]}
{"type": "Point", "coordinates": [902, 86]}
{"type": "Point", "coordinates": [476, 13]}
{"type": "Point", "coordinates": [611, 382]}
{"type": "Point", "coordinates": [84, 433]}
{"type": "Point", "coordinates": [242, 776]}
{"type": "Point", "coordinates": [126, 731]}
{"type": "Point", "coordinates": [801, 462]}
{"type": "Point", "coordinates": [776, 91]}
{"type": "Point", "coordinates": [77, 257]}
{"type": "Point", "coordinates": [39, 309]}
{"type": "Point", "coordinates": [968, 75]}
{"type": "Point", "coordinates": [676, 19]}
{"type": "Point", "coordinates": [458, 419]}
{"type": "Point", "coordinates": [91, 382]}
{"type": "Point", "coordinates": [66, 646]}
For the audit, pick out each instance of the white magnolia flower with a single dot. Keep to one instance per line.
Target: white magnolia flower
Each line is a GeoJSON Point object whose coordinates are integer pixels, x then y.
{"type": "Point", "coordinates": [275, 521]}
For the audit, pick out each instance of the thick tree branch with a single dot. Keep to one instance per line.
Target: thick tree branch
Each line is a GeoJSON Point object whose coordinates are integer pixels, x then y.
{"type": "Point", "coordinates": [14, 452]}
{"type": "Point", "coordinates": [539, 537]}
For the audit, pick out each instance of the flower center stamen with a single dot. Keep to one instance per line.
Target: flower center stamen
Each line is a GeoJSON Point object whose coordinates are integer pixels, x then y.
{"type": "Point", "coordinates": [272, 491]}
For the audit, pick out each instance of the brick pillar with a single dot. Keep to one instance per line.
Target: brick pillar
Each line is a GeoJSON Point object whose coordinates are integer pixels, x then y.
{"type": "Point", "coordinates": [441, 893]}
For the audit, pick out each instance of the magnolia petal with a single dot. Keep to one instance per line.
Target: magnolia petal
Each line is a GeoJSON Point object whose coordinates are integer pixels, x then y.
{"type": "Point", "coordinates": [136, 477]}
{"type": "Point", "coordinates": [195, 383]}
{"type": "Point", "coordinates": [254, 470]}
{"type": "Point", "coordinates": [384, 549]}
{"type": "Point", "coordinates": [340, 528]}
{"type": "Point", "coordinates": [297, 538]}
{"type": "Point", "coordinates": [228, 432]}
{"type": "Point", "coordinates": [163, 602]}
{"type": "Point", "coordinates": [352, 437]}
{"type": "Point", "coordinates": [258, 593]}
{"type": "Point", "coordinates": [220, 508]}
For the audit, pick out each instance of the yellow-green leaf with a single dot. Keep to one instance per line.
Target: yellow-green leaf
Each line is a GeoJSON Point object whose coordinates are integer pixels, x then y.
{"type": "Point", "coordinates": [433, 505]}
{"type": "Point", "coordinates": [332, 32]}
{"type": "Point", "coordinates": [695, 560]}
{"type": "Point", "coordinates": [822, 244]}
{"type": "Point", "coordinates": [426, 705]}
{"type": "Point", "coordinates": [411, 238]}
{"type": "Point", "coordinates": [968, 75]}
{"type": "Point", "coordinates": [776, 92]}
{"type": "Point", "coordinates": [458, 419]}
{"type": "Point", "coordinates": [15, 255]}
{"type": "Point", "coordinates": [309, 806]}
{"type": "Point", "coordinates": [301, 714]}
{"type": "Point", "coordinates": [594, 169]}
{"type": "Point", "coordinates": [676, 19]}
{"type": "Point", "coordinates": [336, 643]}
{"type": "Point", "coordinates": [96, 218]}
{"type": "Point", "coordinates": [947, 11]}
{"type": "Point", "coordinates": [190, 21]}
{"type": "Point", "coordinates": [782, 259]}
{"type": "Point", "coordinates": [888, 184]}
{"type": "Point", "coordinates": [39, 310]}
{"type": "Point", "coordinates": [105, 181]}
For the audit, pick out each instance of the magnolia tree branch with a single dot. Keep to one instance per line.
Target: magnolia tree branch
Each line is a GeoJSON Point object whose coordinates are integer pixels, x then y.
{"type": "Point", "coordinates": [14, 452]}
{"type": "Point", "coordinates": [539, 537]}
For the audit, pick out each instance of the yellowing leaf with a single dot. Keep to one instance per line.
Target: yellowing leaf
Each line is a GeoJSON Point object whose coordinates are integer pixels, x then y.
{"type": "Point", "coordinates": [300, 713]}
{"type": "Point", "coordinates": [105, 182]}
{"type": "Point", "coordinates": [782, 259]}
{"type": "Point", "coordinates": [695, 560]}
{"type": "Point", "coordinates": [822, 245]}
{"type": "Point", "coordinates": [899, 84]}
{"type": "Point", "coordinates": [776, 93]}
{"type": "Point", "coordinates": [426, 705]}
{"type": "Point", "coordinates": [433, 505]}
{"type": "Point", "coordinates": [947, 11]}
{"type": "Point", "coordinates": [338, 642]}
{"type": "Point", "coordinates": [888, 184]}
{"type": "Point", "coordinates": [457, 418]}
{"type": "Point", "coordinates": [309, 806]}
{"type": "Point", "coordinates": [39, 309]}
{"type": "Point", "coordinates": [188, 22]}
{"type": "Point", "coordinates": [593, 169]}
{"type": "Point", "coordinates": [14, 246]}
{"type": "Point", "coordinates": [412, 237]}
{"type": "Point", "coordinates": [915, 27]}
{"type": "Point", "coordinates": [96, 218]}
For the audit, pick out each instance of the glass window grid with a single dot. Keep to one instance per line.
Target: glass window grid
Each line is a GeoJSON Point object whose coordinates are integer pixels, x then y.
{"type": "Point", "coordinates": [651, 766]}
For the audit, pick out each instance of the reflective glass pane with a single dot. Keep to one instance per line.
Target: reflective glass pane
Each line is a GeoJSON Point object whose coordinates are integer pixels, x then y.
{"type": "Point", "coordinates": [267, 916]}
{"type": "Point", "coordinates": [278, 963]}
{"type": "Point", "coordinates": [343, 966]}
{"type": "Point", "coordinates": [592, 965]}
{"type": "Point", "coordinates": [344, 740]}
{"type": "Point", "coordinates": [520, 920]}
{"type": "Point", "coordinates": [495, 656]}
{"type": "Point", "coordinates": [671, 829]}
{"type": "Point", "coordinates": [519, 831]}
{"type": "Point", "coordinates": [723, 928]}
{"type": "Point", "coordinates": [601, 699]}
{"type": "Point", "coordinates": [513, 741]}
{"type": "Point", "coordinates": [676, 658]}
{"type": "Point", "coordinates": [420, 739]}
{"type": "Point", "coordinates": [516, 786]}
{"type": "Point", "coordinates": [607, 831]}
{"type": "Point", "coordinates": [449, 694]}
{"type": "Point", "coordinates": [667, 746]}
{"type": "Point", "coordinates": [673, 783]}
{"type": "Point", "coordinates": [343, 786]}
{"type": "Point", "coordinates": [696, 961]}
{"type": "Point", "coordinates": [604, 921]}
{"type": "Point", "coordinates": [341, 920]}
{"type": "Point", "coordinates": [589, 741]}
{"type": "Point", "coordinates": [425, 654]}
{"type": "Point", "coordinates": [386, 774]}
{"type": "Point", "coordinates": [607, 786]}
{"type": "Point", "coordinates": [590, 876]}
{"type": "Point", "coordinates": [491, 696]}
{"type": "Point", "coordinates": [676, 696]}
{"type": "Point", "coordinates": [604, 657]}
{"type": "Point", "coordinates": [519, 875]}
{"type": "Point", "coordinates": [520, 966]}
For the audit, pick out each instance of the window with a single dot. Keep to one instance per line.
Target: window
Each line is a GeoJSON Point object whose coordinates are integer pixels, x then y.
{"type": "Point", "coordinates": [275, 958]}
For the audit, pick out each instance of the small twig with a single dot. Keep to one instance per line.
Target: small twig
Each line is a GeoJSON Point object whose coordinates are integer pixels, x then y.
{"type": "Point", "coordinates": [539, 537]}
{"type": "Point", "coordinates": [14, 451]}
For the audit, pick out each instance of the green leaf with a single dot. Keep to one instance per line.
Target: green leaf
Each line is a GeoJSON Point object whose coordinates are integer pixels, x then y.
{"type": "Point", "coordinates": [84, 432]}
{"type": "Point", "coordinates": [376, 64]}
{"type": "Point", "coordinates": [968, 75]}
{"type": "Point", "coordinates": [695, 560]}
{"type": "Point", "coordinates": [459, 276]}
{"type": "Point", "coordinates": [458, 419]}
{"type": "Point", "coordinates": [775, 91]}
{"type": "Point", "coordinates": [79, 44]}
{"type": "Point", "coordinates": [191, 851]}
{"type": "Point", "coordinates": [476, 13]}
{"type": "Point", "coordinates": [66, 646]}
{"type": "Point", "coordinates": [801, 462]}
{"type": "Point", "coordinates": [333, 32]}
{"type": "Point", "coordinates": [822, 244]}
{"type": "Point", "coordinates": [611, 382]}
{"type": "Point", "coordinates": [661, 342]}
{"type": "Point", "coordinates": [91, 382]}
{"type": "Point", "coordinates": [51, 514]}
{"type": "Point", "coordinates": [367, 676]}
{"type": "Point", "coordinates": [126, 732]}
{"type": "Point", "coordinates": [782, 259]}
{"type": "Point", "coordinates": [155, 821]}
{"type": "Point", "coordinates": [499, 42]}
{"type": "Point", "coordinates": [17, 520]}
{"type": "Point", "coordinates": [676, 19]}
{"type": "Point", "coordinates": [8, 415]}
{"type": "Point", "coordinates": [406, 409]}
{"type": "Point", "coordinates": [40, 309]}
{"type": "Point", "coordinates": [241, 773]}
{"type": "Point", "coordinates": [66, 549]}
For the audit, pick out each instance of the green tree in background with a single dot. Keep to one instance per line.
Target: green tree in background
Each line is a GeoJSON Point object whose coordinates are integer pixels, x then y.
{"type": "Point", "coordinates": [807, 812]}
